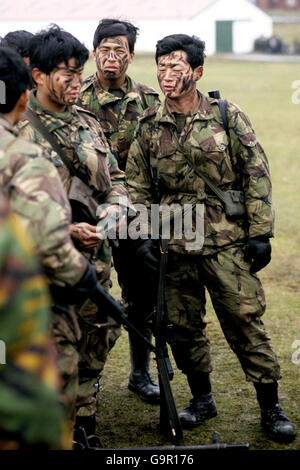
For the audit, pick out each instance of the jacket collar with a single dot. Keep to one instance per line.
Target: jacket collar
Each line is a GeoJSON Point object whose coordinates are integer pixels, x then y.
{"type": "Point", "coordinates": [204, 111]}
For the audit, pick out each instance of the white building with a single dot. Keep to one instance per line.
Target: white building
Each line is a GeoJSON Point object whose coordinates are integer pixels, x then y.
{"type": "Point", "coordinates": [225, 25]}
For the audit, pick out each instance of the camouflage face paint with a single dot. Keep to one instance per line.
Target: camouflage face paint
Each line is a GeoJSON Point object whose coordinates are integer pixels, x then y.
{"type": "Point", "coordinates": [112, 58]}
{"type": "Point", "coordinates": [175, 75]}
{"type": "Point", "coordinates": [64, 83]}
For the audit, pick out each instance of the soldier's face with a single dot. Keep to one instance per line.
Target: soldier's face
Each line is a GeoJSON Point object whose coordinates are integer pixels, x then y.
{"type": "Point", "coordinates": [64, 83]}
{"type": "Point", "coordinates": [175, 75]}
{"type": "Point", "coordinates": [112, 57]}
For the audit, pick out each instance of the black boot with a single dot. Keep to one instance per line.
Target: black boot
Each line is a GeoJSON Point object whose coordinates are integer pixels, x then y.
{"type": "Point", "coordinates": [84, 433]}
{"type": "Point", "coordinates": [202, 406]}
{"type": "Point", "coordinates": [141, 381]}
{"type": "Point", "coordinates": [273, 419]}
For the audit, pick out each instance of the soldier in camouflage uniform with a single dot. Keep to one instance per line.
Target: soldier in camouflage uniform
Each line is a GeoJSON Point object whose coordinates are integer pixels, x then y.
{"type": "Point", "coordinates": [225, 260]}
{"type": "Point", "coordinates": [36, 194]}
{"type": "Point", "coordinates": [117, 101]}
{"type": "Point", "coordinates": [18, 40]}
{"type": "Point", "coordinates": [30, 414]}
{"type": "Point", "coordinates": [58, 76]}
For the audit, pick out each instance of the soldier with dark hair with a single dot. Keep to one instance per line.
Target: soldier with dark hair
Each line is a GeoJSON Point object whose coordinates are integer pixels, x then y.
{"type": "Point", "coordinates": [117, 101]}
{"type": "Point", "coordinates": [34, 189]}
{"type": "Point", "coordinates": [18, 40]}
{"type": "Point", "coordinates": [196, 161]}
{"type": "Point", "coordinates": [57, 59]}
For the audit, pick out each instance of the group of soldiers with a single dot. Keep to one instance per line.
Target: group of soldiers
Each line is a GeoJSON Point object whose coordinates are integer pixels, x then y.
{"type": "Point", "coordinates": [113, 137]}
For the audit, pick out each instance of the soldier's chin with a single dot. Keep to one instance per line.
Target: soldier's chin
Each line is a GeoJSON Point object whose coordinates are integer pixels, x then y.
{"type": "Point", "coordinates": [71, 100]}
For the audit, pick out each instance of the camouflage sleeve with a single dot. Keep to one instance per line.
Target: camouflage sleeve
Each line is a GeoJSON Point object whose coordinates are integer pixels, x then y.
{"type": "Point", "coordinates": [29, 399]}
{"type": "Point", "coordinates": [117, 192]}
{"type": "Point", "coordinates": [138, 171]}
{"type": "Point", "coordinates": [253, 168]}
{"type": "Point", "coordinates": [37, 195]}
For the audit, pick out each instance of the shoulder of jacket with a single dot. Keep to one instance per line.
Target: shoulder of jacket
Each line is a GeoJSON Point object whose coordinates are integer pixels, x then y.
{"type": "Point", "coordinates": [87, 83]}
{"type": "Point", "coordinates": [146, 90]}
{"type": "Point", "coordinates": [149, 112]}
{"type": "Point", "coordinates": [84, 111]}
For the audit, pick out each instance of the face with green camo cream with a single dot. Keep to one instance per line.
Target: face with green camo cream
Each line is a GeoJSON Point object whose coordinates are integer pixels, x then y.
{"type": "Point", "coordinates": [59, 89]}
{"type": "Point", "coordinates": [112, 58]}
{"type": "Point", "coordinates": [175, 75]}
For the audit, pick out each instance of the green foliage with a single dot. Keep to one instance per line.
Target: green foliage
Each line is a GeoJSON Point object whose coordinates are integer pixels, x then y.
{"type": "Point", "coordinates": [264, 92]}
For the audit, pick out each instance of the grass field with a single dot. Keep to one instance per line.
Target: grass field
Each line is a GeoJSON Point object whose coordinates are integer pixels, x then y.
{"type": "Point", "coordinates": [264, 91]}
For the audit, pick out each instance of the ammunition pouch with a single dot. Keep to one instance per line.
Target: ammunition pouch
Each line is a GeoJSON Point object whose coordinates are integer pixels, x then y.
{"type": "Point", "coordinates": [234, 203]}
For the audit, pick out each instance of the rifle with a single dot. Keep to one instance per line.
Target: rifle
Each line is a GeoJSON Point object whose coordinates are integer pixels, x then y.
{"type": "Point", "coordinates": [169, 420]}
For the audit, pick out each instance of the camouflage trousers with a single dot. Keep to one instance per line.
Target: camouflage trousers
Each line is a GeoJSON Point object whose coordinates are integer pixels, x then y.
{"type": "Point", "coordinates": [239, 302]}
{"type": "Point", "coordinates": [66, 334]}
{"type": "Point", "coordinates": [99, 333]}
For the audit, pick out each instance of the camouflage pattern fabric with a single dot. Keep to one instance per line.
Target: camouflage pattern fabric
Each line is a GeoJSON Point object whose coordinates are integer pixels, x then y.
{"type": "Point", "coordinates": [219, 266]}
{"type": "Point", "coordinates": [83, 141]}
{"type": "Point", "coordinates": [30, 413]}
{"type": "Point", "coordinates": [36, 194]}
{"type": "Point", "coordinates": [239, 302]}
{"type": "Point", "coordinates": [205, 142]}
{"type": "Point", "coordinates": [118, 116]}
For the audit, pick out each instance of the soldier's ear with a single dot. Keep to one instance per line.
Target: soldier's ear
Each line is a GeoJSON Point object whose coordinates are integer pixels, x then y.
{"type": "Point", "coordinates": [198, 72]}
{"type": "Point", "coordinates": [94, 54]}
{"type": "Point", "coordinates": [38, 76]}
{"type": "Point", "coordinates": [22, 102]}
{"type": "Point", "coordinates": [131, 57]}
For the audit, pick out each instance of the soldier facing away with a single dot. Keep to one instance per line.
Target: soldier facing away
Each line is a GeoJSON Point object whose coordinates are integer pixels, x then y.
{"type": "Point", "coordinates": [57, 59]}
{"type": "Point", "coordinates": [117, 102]}
{"type": "Point", "coordinates": [182, 136]}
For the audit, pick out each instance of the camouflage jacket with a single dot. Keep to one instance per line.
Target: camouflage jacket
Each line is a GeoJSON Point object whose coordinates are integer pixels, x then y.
{"type": "Point", "coordinates": [29, 402]}
{"type": "Point", "coordinates": [34, 188]}
{"type": "Point", "coordinates": [117, 116]}
{"type": "Point", "coordinates": [82, 140]}
{"type": "Point", "coordinates": [204, 141]}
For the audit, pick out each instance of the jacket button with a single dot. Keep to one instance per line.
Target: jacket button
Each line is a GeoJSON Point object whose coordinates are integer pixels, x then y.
{"type": "Point", "coordinates": [222, 147]}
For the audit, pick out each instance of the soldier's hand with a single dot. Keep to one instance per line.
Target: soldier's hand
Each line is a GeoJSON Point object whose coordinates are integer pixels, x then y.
{"type": "Point", "coordinates": [258, 251]}
{"type": "Point", "coordinates": [84, 235]}
{"type": "Point", "coordinates": [147, 252]}
{"type": "Point", "coordinates": [115, 217]}
{"type": "Point", "coordinates": [79, 292]}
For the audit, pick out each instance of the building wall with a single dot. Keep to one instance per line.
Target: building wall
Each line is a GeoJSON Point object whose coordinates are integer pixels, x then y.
{"type": "Point", "coordinates": [278, 4]}
{"type": "Point", "coordinates": [249, 23]}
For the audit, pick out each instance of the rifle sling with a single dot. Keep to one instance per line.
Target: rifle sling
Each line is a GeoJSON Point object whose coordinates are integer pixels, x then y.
{"type": "Point", "coordinates": [41, 128]}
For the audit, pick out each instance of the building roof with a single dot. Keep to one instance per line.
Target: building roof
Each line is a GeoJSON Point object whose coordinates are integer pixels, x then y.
{"type": "Point", "coordinates": [56, 10]}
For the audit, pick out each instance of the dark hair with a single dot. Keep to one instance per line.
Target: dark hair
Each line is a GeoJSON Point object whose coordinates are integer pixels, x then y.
{"type": "Point", "coordinates": [14, 78]}
{"type": "Point", "coordinates": [50, 47]}
{"type": "Point", "coordinates": [18, 40]}
{"type": "Point", "coordinates": [109, 27]}
{"type": "Point", "coordinates": [192, 45]}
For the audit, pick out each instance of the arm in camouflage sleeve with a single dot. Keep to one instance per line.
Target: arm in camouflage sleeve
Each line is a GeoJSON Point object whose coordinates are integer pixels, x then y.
{"type": "Point", "coordinates": [37, 195]}
{"type": "Point", "coordinates": [252, 165]}
{"type": "Point", "coordinates": [29, 377]}
{"type": "Point", "coordinates": [117, 193]}
{"type": "Point", "coordinates": [138, 172]}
